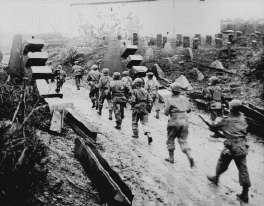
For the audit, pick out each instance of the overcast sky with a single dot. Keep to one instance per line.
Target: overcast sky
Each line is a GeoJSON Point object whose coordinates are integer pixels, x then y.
{"type": "Point", "coordinates": [38, 16]}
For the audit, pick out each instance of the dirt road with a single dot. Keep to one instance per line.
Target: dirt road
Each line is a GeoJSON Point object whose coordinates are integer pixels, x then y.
{"type": "Point", "coordinates": [155, 182]}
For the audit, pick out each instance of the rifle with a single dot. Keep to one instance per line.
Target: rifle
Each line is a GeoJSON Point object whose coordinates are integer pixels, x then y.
{"type": "Point", "coordinates": [217, 132]}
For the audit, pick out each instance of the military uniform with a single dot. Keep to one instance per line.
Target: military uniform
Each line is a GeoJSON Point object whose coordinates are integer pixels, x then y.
{"type": "Point", "coordinates": [152, 87]}
{"type": "Point", "coordinates": [103, 86]}
{"type": "Point", "coordinates": [78, 73]}
{"type": "Point", "coordinates": [213, 94]}
{"type": "Point", "coordinates": [141, 103]}
{"type": "Point", "coordinates": [177, 106]}
{"type": "Point", "coordinates": [234, 128]}
{"type": "Point", "coordinates": [118, 91]}
{"type": "Point", "coordinates": [128, 81]}
{"type": "Point", "coordinates": [93, 81]}
{"type": "Point", "coordinates": [63, 75]}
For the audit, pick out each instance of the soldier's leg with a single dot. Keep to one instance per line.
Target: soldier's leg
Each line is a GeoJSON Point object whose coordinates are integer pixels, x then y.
{"type": "Point", "coordinates": [222, 165]}
{"type": "Point", "coordinates": [156, 105]}
{"type": "Point", "coordinates": [144, 121]}
{"type": "Point", "coordinates": [92, 96]}
{"type": "Point", "coordinates": [122, 108]}
{"type": "Point", "coordinates": [183, 132]}
{"type": "Point", "coordinates": [101, 102]}
{"type": "Point", "coordinates": [97, 97]}
{"type": "Point", "coordinates": [171, 135]}
{"type": "Point", "coordinates": [241, 163]}
{"type": "Point", "coordinates": [117, 111]}
{"type": "Point", "coordinates": [110, 108]}
{"type": "Point", "coordinates": [135, 119]}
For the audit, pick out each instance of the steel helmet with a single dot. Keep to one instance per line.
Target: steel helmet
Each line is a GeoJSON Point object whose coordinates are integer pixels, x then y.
{"type": "Point", "coordinates": [213, 80]}
{"type": "Point", "coordinates": [94, 67]}
{"type": "Point", "coordinates": [138, 81]}
{"type": "Point", "coordinates": [175, 87]}
{"type": "Point", "coordinates": [76, 62]}
{"type": "Point", "coordinates": [150, 74]}
{"type": "Point", "coordinates": [125, 73]}
{"type": "Point", "coordinates": [105, 71]}
{"type": "Point", "coordinates": [235, 104]}
{"type": "Point", "coordinates": [116, 75]}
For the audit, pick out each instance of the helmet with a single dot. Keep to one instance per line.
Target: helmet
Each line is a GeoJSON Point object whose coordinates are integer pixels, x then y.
{"type": "Point", "coordinates": [94, 67]}
{"type": "Point", "coordinates": [213, 80]}
{"type": "Point", "coordinates": [105, 71]}
{"type": "Point", "coordinates": [150, 74]}
{"type": "Point", "coordinates": [59, 67]}
{"type": "Point", "coordinates": [116, 75]}
{"type": "Point", "coordinates": [138, 81]}
{"type": "Point", "coordinates": [175, 87]}
{"type": "Point", "coordinates": [76, 62]}
{"type": "Point", "coordinates": [235, 104]}
{"type": "Point", "coordinates": [125, 73]}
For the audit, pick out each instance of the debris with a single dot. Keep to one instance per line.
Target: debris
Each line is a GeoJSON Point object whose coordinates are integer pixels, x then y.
{"type": "Point", "coordinates": [217, 64]}
{"type": "Point", "coordinates": [167, 51]}
{"type": "Point", "coordinates": [187, 54]}
{"type": "Point", "coordinates": [197, 74]}
{"type": "Point", "coordinates": [185, 84]}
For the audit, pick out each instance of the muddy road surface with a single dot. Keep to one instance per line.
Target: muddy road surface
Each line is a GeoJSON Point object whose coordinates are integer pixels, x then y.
{"type": "Point", "coordinates": [156, 182]}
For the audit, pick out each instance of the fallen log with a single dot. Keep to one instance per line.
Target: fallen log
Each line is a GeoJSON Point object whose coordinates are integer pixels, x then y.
{"type": "Point", "coordinates": [111, 188]}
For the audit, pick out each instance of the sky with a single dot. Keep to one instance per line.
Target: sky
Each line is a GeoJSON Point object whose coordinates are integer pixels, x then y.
{"type": "Point", "coordinates": [43, 16]}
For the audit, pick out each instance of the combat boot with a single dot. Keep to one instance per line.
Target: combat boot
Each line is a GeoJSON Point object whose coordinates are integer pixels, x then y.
{"type": "Point", "coordinates": [149, 138]}
{"type": "Point", "coordinates": [96, 105]}
{"type": "Point", "coordinates": [135, 134]}
{"type": "Point", "coordinates": [110, 115]}
{"type": "Point", "coordinates": [171, 157]}
{"type": "Point", "coordinates": [99, 111]}
{"type": "Point", "coordinates": [190, 158]}
{"type": "Point", "coordinates": [244, 195]}
{"type": "Point", "coordinates": [118, 125]}
{"type": "Point", "coordinates": [93, 101]}
{"type": "Point", "coordinates": [157, 114]}
{"type": "Point", "coordinates": [213, 179]}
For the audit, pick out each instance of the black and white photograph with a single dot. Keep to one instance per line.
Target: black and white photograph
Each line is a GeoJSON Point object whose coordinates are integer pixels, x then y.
{"type": "Point", "coordinates": [131, 102]}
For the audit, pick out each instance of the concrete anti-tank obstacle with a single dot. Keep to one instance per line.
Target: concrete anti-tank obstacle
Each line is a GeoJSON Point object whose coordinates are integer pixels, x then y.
{"type": "Point", "coordinates": [218, 43]}
{"type": "Point", "coordinates": [243, 42]}
{"type": "Point", "coordinates": [159, 40]}
{"type": "Point", "coordinates": [231, 38]}
{"type": "Point", "coordinates": [229, 45]}
{"type": "Point", "coordinates": [208, 40]}
{"type": "Point", "coordinates": [186, 41]}
{"type": "Point", "coordinates": [238, 37]}
{"type": "Point", "coordinates": [135, 39]}
{"type": "Point", "coordinates": [254, 44]}
{"type": "Point", "coordinates": [199, 38]}
{"type": "Point", "coordinates": [263, 41]}
{"type": "Point", "coordinates": [195, 43]}
{"type": "Point", "coordinates": [179, 40]}
{"type": "Point", "coordinates": [164, 41]}
{"type": "Point", "coordinates": [128, 50]}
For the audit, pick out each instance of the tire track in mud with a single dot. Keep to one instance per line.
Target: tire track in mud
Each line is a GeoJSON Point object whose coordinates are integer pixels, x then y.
{"type": "Point", "coordinates": [156, 182]}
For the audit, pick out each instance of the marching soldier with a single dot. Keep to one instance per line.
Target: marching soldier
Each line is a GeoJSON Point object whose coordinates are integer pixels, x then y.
{"type": "Point", "coordinates": [213, 94]}
{"type": "Point", "coordinates": [127, 79]}
{"type": "Point", "coordinates": [62, 75]}
{"type": "Point", "coordinates": [234, 128]}
{"type": "Point", "coordinates": [118, 91]}
{"type": "Point", "coordinates": [93, 79]}
{"type": "Point", "coordinates": [177, 107]}
{"type": "Point", "coordinates": [152, 87]}
{"type": "Point", "coordinates": [141, 103]}
{"type": "Point", "coordinates": [103, 86]}
{"type": "Point", "coordinates": [78, 73]}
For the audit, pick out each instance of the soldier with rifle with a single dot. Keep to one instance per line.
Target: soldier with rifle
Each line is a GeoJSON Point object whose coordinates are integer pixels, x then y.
{"type": "Point", "coordinates": [103, 86]}
{"type": "Point", "coordinates": [234, 129]}
{"type": "Point", "coordinates": [93, 80]}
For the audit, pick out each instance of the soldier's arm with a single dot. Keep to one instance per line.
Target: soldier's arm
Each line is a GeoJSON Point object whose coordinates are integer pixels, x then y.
{"type": "Point", "coordinates": [219, 123]}
{"type": "Point", "coordinates": [149, 99]}
{"type": "Point", "coordinates": [207, 93]}
{"type": "Point", "coordinates": [167, 108]}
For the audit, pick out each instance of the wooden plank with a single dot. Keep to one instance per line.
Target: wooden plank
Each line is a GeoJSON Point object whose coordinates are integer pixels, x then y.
{"type": "Point", "coordinates": [81, 125]}
{"type": "Point", "coordinates": [111, 188]}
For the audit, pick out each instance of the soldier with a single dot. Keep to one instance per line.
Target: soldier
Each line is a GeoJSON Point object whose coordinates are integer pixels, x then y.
{"type": "Point", "coordinates": [93, 79]}
{"type": "Point", "coordinates": [152, 87]}
{"type": "Point", "coordinates": [118, 91]}
{"type": "Point", "coordinates": [213, 94]}
{"type": "Point", "coordinates": [177, 107]}
{"type": "Point", "coordinates": [127, 79]}
{"type": "Point", "coordinates": [234, 128]}
{"type": "Point", "coordinates": [78, 73]}
{"type": "Point", "coordinates": [62, 74]}
{"type": "Point", "coordinates": [103, 86]}
{"type": "Point", "coordinates": [141, 103]}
